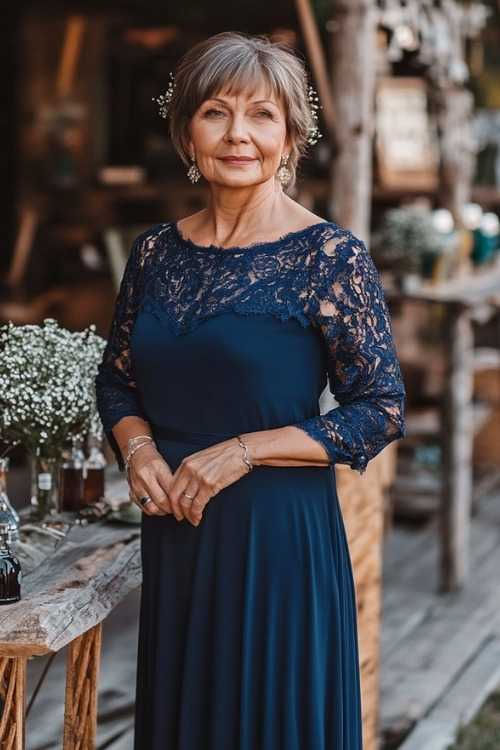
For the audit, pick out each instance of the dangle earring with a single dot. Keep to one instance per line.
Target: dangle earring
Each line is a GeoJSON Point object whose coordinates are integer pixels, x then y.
{"type": "Point", "coordinates": [193, 172]}
{"type": "Point", "coordinates": [283, 174]}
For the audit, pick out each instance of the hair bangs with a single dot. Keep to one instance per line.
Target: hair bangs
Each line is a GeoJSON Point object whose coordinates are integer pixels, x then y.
{"type": "Point", "coordinates": [246, 72]}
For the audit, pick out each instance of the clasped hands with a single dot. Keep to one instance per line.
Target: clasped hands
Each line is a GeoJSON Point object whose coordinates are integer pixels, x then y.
{"type": "Point", "coordinates": [186, 492]}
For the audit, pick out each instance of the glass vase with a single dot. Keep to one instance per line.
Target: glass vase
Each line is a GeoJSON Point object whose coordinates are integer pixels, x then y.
{"type": "Point", "coordinates": [45, 482]}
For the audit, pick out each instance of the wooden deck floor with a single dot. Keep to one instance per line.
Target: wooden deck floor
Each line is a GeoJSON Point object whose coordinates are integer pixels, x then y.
{"type": "Point", "coordinates": [440, 654]}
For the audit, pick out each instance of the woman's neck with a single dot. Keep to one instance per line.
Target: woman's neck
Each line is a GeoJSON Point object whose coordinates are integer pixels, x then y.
{"type": "Point", "coordinates": [239, 218]}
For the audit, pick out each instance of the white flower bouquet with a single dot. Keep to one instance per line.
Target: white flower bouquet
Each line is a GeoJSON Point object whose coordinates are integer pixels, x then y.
{"type": "Point", "coordinates": [47, 390]}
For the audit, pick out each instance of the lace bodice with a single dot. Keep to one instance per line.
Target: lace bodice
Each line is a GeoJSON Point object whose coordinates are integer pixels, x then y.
{"type": "Point", "coordinates": [321, 276]}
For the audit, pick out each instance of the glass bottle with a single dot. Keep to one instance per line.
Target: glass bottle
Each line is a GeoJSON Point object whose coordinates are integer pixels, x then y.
{"type": "Point", "coordinates": [8, 513]}
{"type": "Point", "coordinates": [10, 570]}
{"type": "Point", "coordinates": [93, 472]}
{"type": "Point", "coordinates": [71, 491]}
{"type": "Point", "coordinates": [45, 481]}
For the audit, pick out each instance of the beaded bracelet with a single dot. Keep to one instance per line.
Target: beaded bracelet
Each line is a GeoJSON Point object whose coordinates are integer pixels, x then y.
{"type": "Point", "coordinates": [245, 453]}
{"type": "Point", "coordinates": [135, 447]}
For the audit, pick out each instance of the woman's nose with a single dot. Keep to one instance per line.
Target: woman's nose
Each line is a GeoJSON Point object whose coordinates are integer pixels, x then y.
{"type": "Point", "coordinates": [237, 130]}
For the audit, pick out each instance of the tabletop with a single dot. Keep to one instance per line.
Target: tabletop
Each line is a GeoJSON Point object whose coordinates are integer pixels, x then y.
{"type": "Point", "coordinates": [74, 588]}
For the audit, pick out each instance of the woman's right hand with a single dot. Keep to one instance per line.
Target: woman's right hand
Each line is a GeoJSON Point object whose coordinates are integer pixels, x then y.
{"type": "Point", "coordinates": [149, 475]}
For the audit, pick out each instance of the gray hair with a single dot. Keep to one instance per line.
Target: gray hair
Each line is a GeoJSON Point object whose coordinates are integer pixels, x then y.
{"type": "Point", "coordinates": [241, 62]}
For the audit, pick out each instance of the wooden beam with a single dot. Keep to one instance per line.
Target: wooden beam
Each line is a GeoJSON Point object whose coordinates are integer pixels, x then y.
{"type": "Point", "coordinates": [319, 68]}
{"type": "Point", "coordinates": [72, 44]}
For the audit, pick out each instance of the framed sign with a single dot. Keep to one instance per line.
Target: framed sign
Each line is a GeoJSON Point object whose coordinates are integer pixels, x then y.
{"type": "Point", "coordinates": [406, 149]}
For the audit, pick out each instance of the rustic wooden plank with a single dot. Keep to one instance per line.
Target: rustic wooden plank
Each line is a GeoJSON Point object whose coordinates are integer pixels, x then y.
{"type": "Point", "coordinates": [474, 685]}
{"type": "Point", "coordinates": [437, 642]}
{"type": "Point", "coordinates": [93, 569]}
{"type": "Point", "coordinates": [443, 633]}
{"type": "Point", "coordinates": [460, 703]}
{"type": "Point", "coordinates": [410, 555]}
{"type": "Point", "coordinates": [430, 734]}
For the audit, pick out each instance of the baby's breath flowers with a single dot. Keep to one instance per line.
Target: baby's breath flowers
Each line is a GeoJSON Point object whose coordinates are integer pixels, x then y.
{"type": "Point", "coordinates": [314, 131]}
{"type": "Point", "coordinates": [47, 391]}
{"type": "Point", "coordinates": [164, 99]}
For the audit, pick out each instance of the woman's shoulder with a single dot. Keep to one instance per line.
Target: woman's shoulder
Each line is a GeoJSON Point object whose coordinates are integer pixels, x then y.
{"type": "Point", "coordinates": [335, 239]}
{"type": "Point", "coordinates": [335, 246]}
{"type": "Point", "coordinates": [148, 242]}
{"type": "Point", "coordinates": [154, 232]}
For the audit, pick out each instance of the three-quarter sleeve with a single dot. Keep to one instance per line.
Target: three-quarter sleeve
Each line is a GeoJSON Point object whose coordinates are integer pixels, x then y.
{"type": "Point", "coordinates": [117, 394]}
{"type": "Point", "coordinates": [349, 310]}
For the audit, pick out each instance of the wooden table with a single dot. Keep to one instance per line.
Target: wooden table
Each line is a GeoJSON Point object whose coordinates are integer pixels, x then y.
{"type": "Point", "coordinates": [65, 599]}
{"type": "Point", "coordinates": [469, 300]}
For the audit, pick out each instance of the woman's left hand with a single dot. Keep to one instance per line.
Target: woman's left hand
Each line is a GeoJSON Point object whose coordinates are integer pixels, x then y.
{"type": "Point", "coordinates": [203, 475]}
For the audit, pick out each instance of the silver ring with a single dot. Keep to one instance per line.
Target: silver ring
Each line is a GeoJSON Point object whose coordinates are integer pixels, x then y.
{"type": "Point", "coordinates": [189, 497]}
{"type": "Point", "coordinates": [144, 500]}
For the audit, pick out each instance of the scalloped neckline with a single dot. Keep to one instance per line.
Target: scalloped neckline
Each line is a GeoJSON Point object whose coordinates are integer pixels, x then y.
{"type": "Point", "coordinates": [235, 248]}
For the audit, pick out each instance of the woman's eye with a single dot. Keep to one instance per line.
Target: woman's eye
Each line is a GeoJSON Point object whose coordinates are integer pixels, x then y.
{"type": "Point", "coordinates": [213, 113]}
{"type": "Point", "coordinates": [264, 113]}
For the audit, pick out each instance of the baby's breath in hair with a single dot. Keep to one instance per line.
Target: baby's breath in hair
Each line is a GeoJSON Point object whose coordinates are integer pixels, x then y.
{"type": "Point", "coordinates": [164, 99]}
{"type": "Point", "coordinates": [314, 131]}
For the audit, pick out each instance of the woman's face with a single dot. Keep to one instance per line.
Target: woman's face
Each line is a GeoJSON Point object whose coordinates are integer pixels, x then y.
{"type": "Point", "coordinates": [238, 139]}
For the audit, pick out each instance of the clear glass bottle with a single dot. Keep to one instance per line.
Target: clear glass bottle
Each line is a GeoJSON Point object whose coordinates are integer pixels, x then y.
{"type": "Point", "coordinates": [10, 570]}
{"type": "Point", "coordinates": [72, 463]}
{"type": "Point", "coordinates": [93, 473]}
{"type": "Point", "coordinates": [9, 514]}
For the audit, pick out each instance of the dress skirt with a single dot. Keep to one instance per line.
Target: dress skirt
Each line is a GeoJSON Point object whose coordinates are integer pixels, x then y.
{"type": "Point", "coordinates": [248, 622]}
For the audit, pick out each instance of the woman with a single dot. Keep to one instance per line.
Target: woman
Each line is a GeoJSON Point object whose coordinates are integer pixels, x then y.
{"type": "Point", "coordinates": [227, 325]}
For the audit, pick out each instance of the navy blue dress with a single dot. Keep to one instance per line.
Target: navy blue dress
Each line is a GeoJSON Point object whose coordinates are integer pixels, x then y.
{"type": "Point", "coordinates": [248, 621]}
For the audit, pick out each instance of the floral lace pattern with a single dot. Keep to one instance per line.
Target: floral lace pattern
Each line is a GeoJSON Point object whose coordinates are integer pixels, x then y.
{"type": "Point", "coordinates": [321, 276]}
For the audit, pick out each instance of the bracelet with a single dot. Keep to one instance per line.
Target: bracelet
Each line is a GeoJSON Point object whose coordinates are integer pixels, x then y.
{"type": "Point", "coordinates": [133, 450]}
{"type": "Point", "coordinates": [132, 442]}
{"type": "Point", "coordinates": [245, 453]}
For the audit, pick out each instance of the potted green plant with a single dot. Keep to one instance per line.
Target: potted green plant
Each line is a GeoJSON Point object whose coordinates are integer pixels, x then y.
{"type": "Point", "coordinates": [412, 239]}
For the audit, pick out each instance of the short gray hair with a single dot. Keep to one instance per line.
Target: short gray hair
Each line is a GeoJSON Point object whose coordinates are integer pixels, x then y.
{"type": "Point", "coordinates": [241, 62]}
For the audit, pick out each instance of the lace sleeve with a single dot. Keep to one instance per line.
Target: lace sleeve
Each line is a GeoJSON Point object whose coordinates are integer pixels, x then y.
{"type": "Point", "coordinates": [350, 312]}
{"type": "Point", "coordinates": [116, 390]}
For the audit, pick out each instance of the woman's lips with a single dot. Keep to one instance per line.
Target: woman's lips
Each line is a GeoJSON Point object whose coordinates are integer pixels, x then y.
{"type": "Point", "coordinates": [237, 159]}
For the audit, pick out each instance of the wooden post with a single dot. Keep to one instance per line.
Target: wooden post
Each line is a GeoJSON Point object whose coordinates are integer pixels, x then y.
{"type": "Point", "coordinates": [22, 249]}
{"type": "Point", "coordinates": [453, 111]}
{"type": "Point", "coordinates": [82, 670]}
{"type": "Point", "coordinates": [457, 451]}
{"type": "Point", "coordinates": [13, 695]}
{"type": "Point", "coordinates": [353, 86]}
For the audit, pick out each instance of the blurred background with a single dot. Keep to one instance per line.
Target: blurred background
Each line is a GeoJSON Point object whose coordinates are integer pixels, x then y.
{"type": "Point", "coordinates": [409, 161]}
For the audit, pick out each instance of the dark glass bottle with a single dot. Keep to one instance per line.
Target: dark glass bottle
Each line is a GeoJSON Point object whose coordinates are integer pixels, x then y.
{"type": "Point", "coordinates": [10, 570]}
{"type": "Point", "coordinates": [73, 459]}
{"type": "Point", "coordinates": [93, 472]}
{"type": "Point", "coordinates": [7, 513]}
